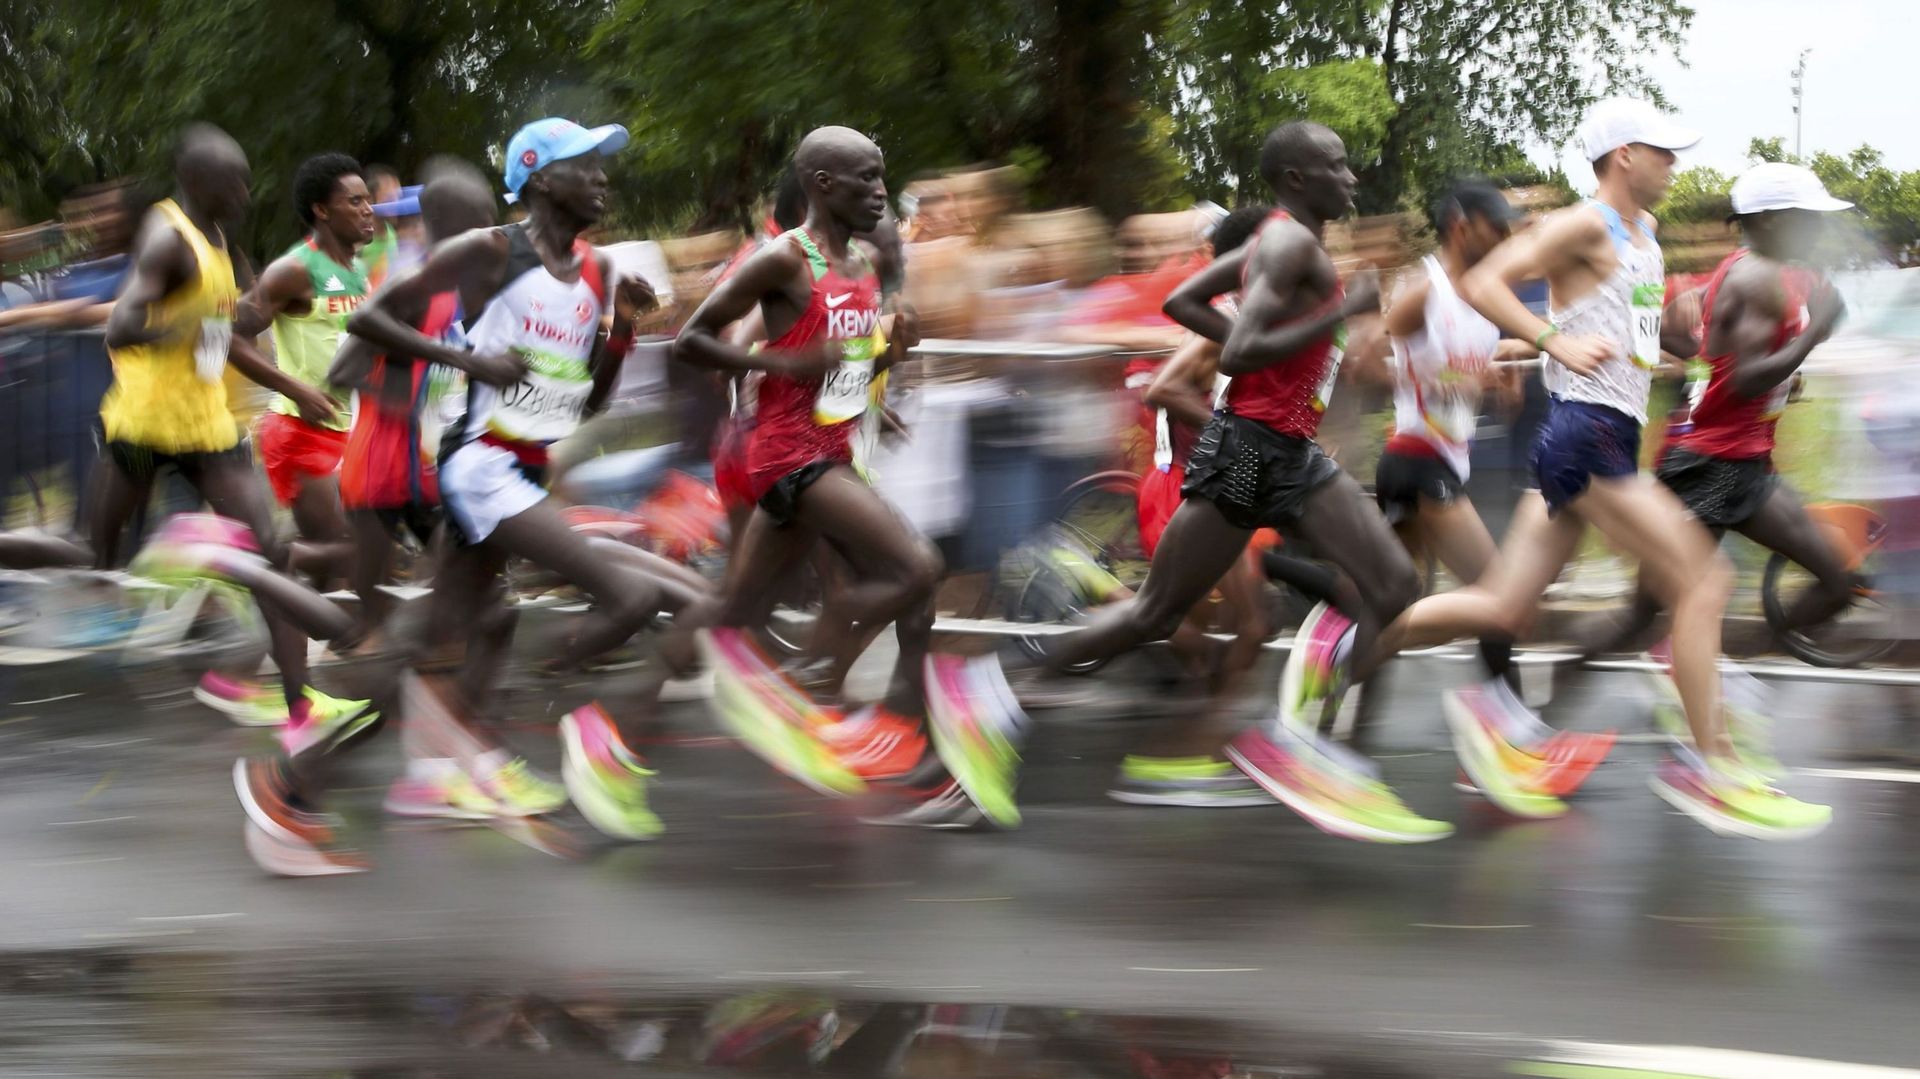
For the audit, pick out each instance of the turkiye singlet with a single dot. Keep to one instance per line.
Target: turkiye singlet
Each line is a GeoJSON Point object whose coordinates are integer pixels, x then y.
{"type": "Point", "coordinates": [1291, 394]}
{"type": "Point", "coordinates": [1625, 309]}
{"type": "Point", "coordinates": [554, 325]}
{"type": "Point", "coordinates": [800, 421]}
{"type": "Point", "coordinates": [1718, 422]}
{"type": "Point", "coordinates": [304, 345]}
{"type": "Point", "coordinates": [1437, 371]}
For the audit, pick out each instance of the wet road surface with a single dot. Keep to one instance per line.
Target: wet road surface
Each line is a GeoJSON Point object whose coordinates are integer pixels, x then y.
{"type": "Point", "coordinates": [770, 926]}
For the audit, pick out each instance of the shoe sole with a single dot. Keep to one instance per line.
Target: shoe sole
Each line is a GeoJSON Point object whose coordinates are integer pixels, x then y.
{"type": "Point", "coordinates": [946, 746]}
{"type": "Point", "coordinates": [256, 813]}
{"type": "Point", "coordinates": [730, 693]}
{"type": "Point", "coordinates": [240, 715]}
{"type": "Point", "coordinates": [931, 826]}
{"type": "Point", "coordinates": [1722, 825]}
{"type": "Point", "coordinates": [573, 748]}
{"type": "Point", "coordinates": [284, 859]}
{"type": "Point", "coordinates": [1187, 801]}
{"type": "Point", "coordinates": [1458, 717]}
{"type": "Point", "coordinates": [1332, 824]}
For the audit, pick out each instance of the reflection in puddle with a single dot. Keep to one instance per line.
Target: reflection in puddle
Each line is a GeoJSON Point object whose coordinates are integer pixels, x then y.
{"type": "Point", "coordinates": [186, 1014]}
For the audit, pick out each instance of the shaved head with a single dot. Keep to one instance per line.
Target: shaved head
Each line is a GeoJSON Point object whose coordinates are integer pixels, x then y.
{"type": "Point", "coordinates": [212, 171]}
{"type": "Point", "coordinates": [456, 198]}
{"type": "Point", "coordinates": [1291, 146]}
{"type": "Point", "coordinates": [842, 174]}
{"type": "Point", "coordinates": [830, 149]}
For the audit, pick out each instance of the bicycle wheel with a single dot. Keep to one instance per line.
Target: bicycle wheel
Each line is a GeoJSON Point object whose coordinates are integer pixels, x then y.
{"type": "Point", "coordinates": [1043, 596]}
{"type": "Point", "coordinates": [1858, 636]}
{"type": "Point", "coordinates": [1102, 512]}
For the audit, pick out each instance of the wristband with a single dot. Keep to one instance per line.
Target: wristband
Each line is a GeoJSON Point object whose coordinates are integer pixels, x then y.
{"type": "Point", "coordinates": [1546, 335]}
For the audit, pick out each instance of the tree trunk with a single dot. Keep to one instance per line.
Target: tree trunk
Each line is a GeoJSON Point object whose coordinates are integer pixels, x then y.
{"type": "Point", "coordinates": [1094, 49]}
{"type": "Point", "coordinates": [1380, 184]}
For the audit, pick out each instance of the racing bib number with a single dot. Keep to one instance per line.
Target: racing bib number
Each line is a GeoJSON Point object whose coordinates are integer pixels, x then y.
{"type": "Point", "coordinates": [1647, 302]}
{"type": "Point", "coordinates": [547, 404]}
{"type": "Point", "coordinates": [210, 348]}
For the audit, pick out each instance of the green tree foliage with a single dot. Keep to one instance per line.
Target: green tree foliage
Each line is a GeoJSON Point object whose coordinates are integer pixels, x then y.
{"type": "Point", "coordinates": [1887, 200]}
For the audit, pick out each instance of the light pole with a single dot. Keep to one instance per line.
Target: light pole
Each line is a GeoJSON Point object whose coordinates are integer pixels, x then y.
{"type": "Point", "coordinates": [1799, 99]}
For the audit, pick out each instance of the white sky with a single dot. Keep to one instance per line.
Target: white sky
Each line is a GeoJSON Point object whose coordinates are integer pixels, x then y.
{"type": "Point", "coordinates": [1737, 83]}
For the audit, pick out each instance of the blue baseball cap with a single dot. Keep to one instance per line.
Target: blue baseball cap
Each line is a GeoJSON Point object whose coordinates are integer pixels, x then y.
{"type": "Point", "coordinates": [405, 204]}
{"type": "Point", "coordinates": [555, 138]}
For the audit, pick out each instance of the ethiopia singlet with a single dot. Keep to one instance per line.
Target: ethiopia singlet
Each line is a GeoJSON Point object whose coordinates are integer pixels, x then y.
{"type": "Point", "coordinates": [385, 465]}
{"type": "Point", "coordinates": [1718, 422]}
{"type": "Point", "coordinates": [1291, 394]}
{"type": "Point", "coordinates": [1625, 309]}
{"type": "Point", "coordinates": [554, 325]}
{"type": "Point", "coordinates": [304, 345]}
{"type": "Point", "coordinates": [798, 422]}
{"type": "Point", "coordinates": [1436, 375]}
{"type": "Point", "coordinates": [169, 395]}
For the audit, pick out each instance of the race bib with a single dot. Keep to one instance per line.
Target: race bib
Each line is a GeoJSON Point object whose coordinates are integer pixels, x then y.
{"type": "Point", "coordinates": [843, 393]}
{"type": "Point", "coordinates": [210, 349]}
{"type": "Point", "coordinates": [545, 406]}
{"type": "Point", "coordinates": [1647, 302]}
{"type": "Point", "coordinates": [1336, 352]}
{"type": "Point", "coordinates": [1162, 441]}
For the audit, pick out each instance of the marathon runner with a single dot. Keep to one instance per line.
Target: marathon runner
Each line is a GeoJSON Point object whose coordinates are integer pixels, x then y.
{"type": "Point", "coordinates": [535, 293]}
{"type": "Point", "coordinates": [171, 337]}
{"type": "Point", "coordinates": [1606, 279]}
{"type": "Point", "coordinates": [1255, 465]}
{"type": "Point", "coordinates": [819, 296]}
{"type": "Point", "coordinates": [306, 296]}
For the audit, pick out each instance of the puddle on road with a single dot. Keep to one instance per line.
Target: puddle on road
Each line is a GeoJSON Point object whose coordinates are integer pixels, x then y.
{"type": "Point", "coordinates": [178, 1014]}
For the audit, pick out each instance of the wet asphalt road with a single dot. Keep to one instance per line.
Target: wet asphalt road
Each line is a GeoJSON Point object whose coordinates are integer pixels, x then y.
{"type": "Point", "coordinates": [138, 938]}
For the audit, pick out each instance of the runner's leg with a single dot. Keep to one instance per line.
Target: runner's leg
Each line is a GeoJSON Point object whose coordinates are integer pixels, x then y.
{"type": "Point", "coordinates": [1783, 526]}
{"type": "Point", "coordinates": [624, 600]}
{"type": "Point", "coordinates": [1198, 547]}
{"type": "Point", "coordinates": [1347, 530]}
{"type": "Point", "coordinates": [1688, 574]}
{"type": "Point", "coordinates": [326, 548]}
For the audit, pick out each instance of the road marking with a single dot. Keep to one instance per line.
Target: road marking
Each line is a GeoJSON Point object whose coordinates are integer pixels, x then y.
{"type": "Point", "coordinates": [191, 917]}
{"type": "Point", "coordinates": [1196, 970]}
{"type": "Point", "coordinates": [1876, 775]}
{"type": "Point", "coordinates": [780, 868]}
{"type": "Point", "coordinates": [1444, 925]}
{"type": "Point", "coordinates": [859, 885]}
{"type": "Point", "coordinates": [78, 861]}
{"type": "Point", "coordinates": [768, 816]}
{"type": "Point", "coordinates": [1695, 1062]}
{"type": "Point", "coordinates": [90, 820]}
{"type": "Point", "coordinates": [789, 974]}
{"type": "Point", "coordinates": [46, 700]}
{"type": "Point", "coordinates": [966, 899]}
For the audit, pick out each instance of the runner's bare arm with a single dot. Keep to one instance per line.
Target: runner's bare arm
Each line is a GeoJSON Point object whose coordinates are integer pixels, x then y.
{"type": "Point", "coordinates": [351, 364]}
{"type": "Point", "coordinates": [1191, 304]}
{"type": "Point", "coordinates": [471, 263]}
{"type": "Point", "coordinates": [162, 262]}
{"type": "Point", "coordinates": [903, 334]}
{"type": "Point", "coordinates": [1269, 329]}
{"type": "Point", "coordinates": [769, 273]}
{"type": "Point", "coordinates": [1552, 250]}
{"type": "Point", "coordinates": [1752, 295]}
{"type": "Point", "coordinates": [1180, 386]}
{"type": "Point", "coordinates": [1678, 321]}
{"type": "Point", "coordinates": [285, 286]}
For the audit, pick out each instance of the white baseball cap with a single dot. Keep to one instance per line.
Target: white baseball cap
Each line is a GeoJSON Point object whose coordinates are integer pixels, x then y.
{"type": "Point", "coordinates": [1777, 185]}
{"type": "Point", "coordinates": [1623, 121]}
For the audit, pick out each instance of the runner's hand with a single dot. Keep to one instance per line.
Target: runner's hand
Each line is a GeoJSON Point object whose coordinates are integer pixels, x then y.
{"type": "Point", "coordinates": [503, 368]}
{"type": "Point", "coordinates": [1825, 308]}
{"type": "Point", "coordinates": [315, 407]}
{"type": "Point", "coordinates": [1363, 293]}
{"type": "Point", "coordinates": [904, 326]}
{"type": "Point", "coordinates": [633, 297]}
{"type": "Point", "coordinates": [1582, 355]}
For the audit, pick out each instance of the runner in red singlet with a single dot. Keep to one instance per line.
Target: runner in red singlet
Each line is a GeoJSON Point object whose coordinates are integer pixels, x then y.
{"type": "Point", "coordinates": [1257, 465]}
{"type": "Point", "coordinates": [819, 295]}
{"type": "Point", "coordinates": [1766, 307]}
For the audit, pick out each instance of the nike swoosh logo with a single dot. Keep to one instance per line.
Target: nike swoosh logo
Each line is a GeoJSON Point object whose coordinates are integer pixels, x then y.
{"type": "Point", "coordinates": [836, 301]}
